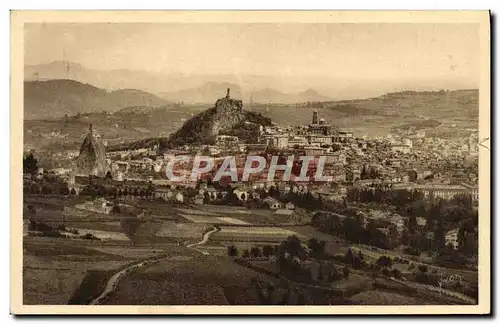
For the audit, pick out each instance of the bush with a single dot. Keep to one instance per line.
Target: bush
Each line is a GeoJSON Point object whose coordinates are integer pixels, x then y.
{"type": "Point", "coordinates": [89, 236]}
{"type": "Point", "coordinates": [422, 268]}
{"type": "Point", "coordinates": [396, 273]}
{"type": "Point", "coordinates": [413, 251]}
{"type": "Point", "coordinates": [339, 258]}
{"type": "Point", "coordinates": [267, 250]}
{"type": "Point", "coordinates": [32, 209]}
{"type": "Point", "coordinates": [334, 275]}
{"type": "Point", "coordinates": [346, 272]}
{"type": "Point", "coordinates": [255, 252]}
{"type": "Point", "coordinates": [232, 251]}
{"type": "Point", "coordinates": [348, 256]}
{"type": "Point", "coordinates": [384, 261]}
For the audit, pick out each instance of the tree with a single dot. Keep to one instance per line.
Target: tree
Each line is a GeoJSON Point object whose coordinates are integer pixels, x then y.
{"type": "Point", "coordinates": [46, 190]}
{"type": "Point", "coordinates": [64, 190]}
{"type": "Point", "coordinates": [73, 191]}
{"type": "Point", "coordinates": [346, 272]}
{"type": "Point", "coordinates": [356, 262]}
{"type": "Point", "coordinates": [115, 209]}
{"type": "Point", "coordinates": [334, 275]}
{"type": "Point", "coordinates": [353, 229]}
{"type": "Point", "coordinates": [206, 197]}
{"type": "Point", "coordinates": [422, 268]}
{"type": "Point", "coordinates": [255, 252]}
{"type": "Point", "coordinates": [108, 176]}
{"type": "Point", "coordinates": [246, 253]}
{"type": "Point", "coordinates": [30, 164]}
{"type": "Point", "coordinates": [348, 256]}
{"type": "Point", "coordinates": [320, 272]}
{"type": "Point", "coordinates": [317, 247]}
{"type": "Point", "coordinates": [467, 240]}
{"type": "Point", "coordinates": [393, 236]}
{"type": "Point", "coordinates": [396, 273]}
{"type": "Point", "coordinates": [35, 188]}
{"type": "Point", "coordinates": [232, 251]}
{"type": "Point", "coordinates": [364, 173]}
{"type": "Point", "coordinates": [412, 224]}
{"type": "Point", "coordinates": [293, 246]}
{"type": "Point", "coordinates": [455, 214]}
{"type": "Point", "coordinates": [32, 209]}
{"type": "Point", "coordinates": [439, 235]}
{"type": "Point", "coordinates": [267, 250]}
{"type": "Point", "coordinates": [384, 261]}
{"type": "Point", "coordinates": [89, 190]}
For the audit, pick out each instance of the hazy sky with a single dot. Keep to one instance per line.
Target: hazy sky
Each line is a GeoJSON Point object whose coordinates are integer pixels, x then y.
{"type": "Point", "coordinates": [365, 51]}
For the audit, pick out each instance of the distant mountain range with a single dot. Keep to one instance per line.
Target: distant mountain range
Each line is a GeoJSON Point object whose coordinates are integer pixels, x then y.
{"type": "Point", "coordinates": [273, 96]}
{"type": "Point", "coordinates": [203, 88]}
{"type": "Point", "coordinates": [206, 93]}
{"type": "Point", "coordinates": [55, 98]}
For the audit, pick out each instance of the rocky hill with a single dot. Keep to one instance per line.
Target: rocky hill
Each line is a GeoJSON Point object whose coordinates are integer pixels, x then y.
{"type": "Point", "coordinates": [55, 98]}
{"type": "Point", "coordinates": [92, 157]}
{"type": "Point", "coordinates": [225, 116]}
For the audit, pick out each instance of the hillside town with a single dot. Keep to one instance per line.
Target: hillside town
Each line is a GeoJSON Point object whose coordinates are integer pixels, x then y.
{"type": "Point", "coordinates": [431, 168]}
{"type": "Point", "coordinates": [250, 163]}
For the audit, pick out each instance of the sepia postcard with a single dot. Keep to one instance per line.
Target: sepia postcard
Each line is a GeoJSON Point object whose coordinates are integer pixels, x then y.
{"type": "Point", "coordinates": [250, 162]}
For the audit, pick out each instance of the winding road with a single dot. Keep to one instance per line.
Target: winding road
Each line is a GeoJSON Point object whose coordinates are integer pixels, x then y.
{"type": "Point", "coordinates": [112, 282]}
{"type": "Point", "coordinates": [204, 240]}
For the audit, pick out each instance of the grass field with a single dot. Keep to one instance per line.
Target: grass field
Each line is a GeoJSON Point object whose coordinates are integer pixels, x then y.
{"type": "Point", "coordinates": [379, 297]}
{"type": "Point", "coordinates": [53, 269]}
{"type": "Point", "coordinates": [251, 216]}
{"type": "Point", "coordinates": [251, 234]}
{"type": "Point", "coordinates": [198, 282]}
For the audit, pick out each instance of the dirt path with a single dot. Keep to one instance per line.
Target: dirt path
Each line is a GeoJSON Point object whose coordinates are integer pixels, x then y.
{"type": "Point", "coordinates": [112, 282]}
{"type": "Point", "coordinates": [203, 241]}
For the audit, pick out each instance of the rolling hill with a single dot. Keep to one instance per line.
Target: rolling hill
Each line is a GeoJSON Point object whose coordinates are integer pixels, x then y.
{"type": "Point", "coordinates": [55, 98]}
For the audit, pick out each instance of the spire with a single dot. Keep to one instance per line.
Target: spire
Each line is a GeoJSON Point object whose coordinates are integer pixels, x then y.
{"type": "Point", "coordinates": [90, 128]}
{"type": "Point", "coordinates": [227, 94]}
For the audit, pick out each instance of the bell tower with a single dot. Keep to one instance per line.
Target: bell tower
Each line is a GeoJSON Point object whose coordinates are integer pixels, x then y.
{"type": "Point", "coordinates": [315, 117]}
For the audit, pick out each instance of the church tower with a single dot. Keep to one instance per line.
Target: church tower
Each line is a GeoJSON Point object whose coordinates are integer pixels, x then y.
{"type": "Point", "coordinates": [315, 117]}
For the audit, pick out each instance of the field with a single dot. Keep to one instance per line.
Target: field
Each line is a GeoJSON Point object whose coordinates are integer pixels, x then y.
{"type": "Point", "coordinates": [182, 230]}
{"type": "Point", "coordinates": [237, 215]}
{"type": "Point", "coordinates": [378, 297]}
{"type": "Point", "coordinates": [64, 270]}
{"type": "Point", "coordinates": [53, 269]}
{"type": "Point", "coordinates": [252, 234]}
{"type": "Point", "coordinates": [199, 282]}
